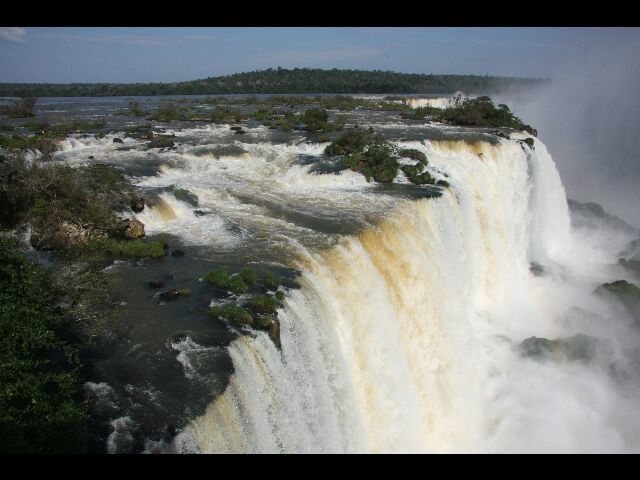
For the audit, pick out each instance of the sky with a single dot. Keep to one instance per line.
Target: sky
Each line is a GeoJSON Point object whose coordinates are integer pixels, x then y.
{"type": "Point", "coordinates": [163, 54]}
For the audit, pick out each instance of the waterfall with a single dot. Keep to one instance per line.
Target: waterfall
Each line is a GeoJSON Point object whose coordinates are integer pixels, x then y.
{"type": "Point", "coordinates": [401, 339]}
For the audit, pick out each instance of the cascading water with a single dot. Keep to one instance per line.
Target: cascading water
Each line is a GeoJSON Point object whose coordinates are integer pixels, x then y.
{"type": "Point", "coordinates": [405, 333]}
{"type": "Point", "coordinates": [402, 339]}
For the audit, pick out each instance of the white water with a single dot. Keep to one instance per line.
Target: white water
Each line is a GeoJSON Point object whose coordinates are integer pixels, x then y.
{"type": "Point", "coordinates": [402, 339]}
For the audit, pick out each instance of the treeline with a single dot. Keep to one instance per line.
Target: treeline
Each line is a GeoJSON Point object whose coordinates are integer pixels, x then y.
{"type": "Point", "coordinates": [279, 81]}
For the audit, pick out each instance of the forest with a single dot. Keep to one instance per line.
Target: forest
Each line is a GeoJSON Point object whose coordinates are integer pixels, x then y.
{"type": "Point", "coordinates": [280, 80]}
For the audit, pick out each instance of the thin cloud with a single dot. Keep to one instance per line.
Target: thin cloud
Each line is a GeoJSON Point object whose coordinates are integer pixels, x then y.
{"type": "Point", "coordinates": [133, 40]}
{"type": "Point", "coordinates": [13, 34]}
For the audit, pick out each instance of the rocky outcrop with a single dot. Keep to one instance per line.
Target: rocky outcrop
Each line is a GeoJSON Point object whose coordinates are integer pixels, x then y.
{"type": "Point", "coordinates": [625, 293]}
{"type": "Point", "coordinates": [578, 347]}
{"type": "Point", "coordinates": [133, 230]}
{"type": "Point", "coordinates": [117, 140]}
{"type": "Point", "coordinates": [64, 236]}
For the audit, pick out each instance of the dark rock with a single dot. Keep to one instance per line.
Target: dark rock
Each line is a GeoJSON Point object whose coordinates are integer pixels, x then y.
{"type": "Point", "coordinates": [240, 132]}
{"type": "Point", "coordinates": [236, 128]}
{"type": "Point", "coordinates": [179, 337]}
{"type": "Point", "coordinates": [157, 282]}
{"type": "Point", "coordinates": [174, 293]}
{"type": "Point", "coordinates": [200, 213]}
{"type": "Point", "coordinates": [117, 140]}
{"type": "Point", "coordinates": [177, 253]}
{"type": "Point", "coordinates": [137, 204]}
{"type": "Point", "coordinates": [91, 157]}
{"type": "Point", "coordinates": [162, 141]}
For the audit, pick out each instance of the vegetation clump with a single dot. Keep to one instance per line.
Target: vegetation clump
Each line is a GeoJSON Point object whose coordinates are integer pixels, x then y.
{"type": "Point", "coordinates": [414, 155]}
{"type": "Point", "coordinates": [379, 161]}
{"type": "Point", "coordinates": [413, 174]}
{"type": "Point", "coordinates": [479, 112]}
{"type": "Point", "coordinates": [218, 278]}
{"type": "Point", "coordinates": [118, 248]}
{"type": "Point", "coordinates": [237, 286]}
{"type": "Point", "coordinates": [315, 119]}
{"type": "Point", "coordinates": [264, 304]}
{"type": "Point", "coordinates": [24, 107]}
{"type": "Point", "coordinates": [270, 281]}
{"type": "Point", "coordinates": [232, 313]}
{"type": "Point", "coordinates": [352, 141]}
{"type": "Point", "coordinates": [248, 276]}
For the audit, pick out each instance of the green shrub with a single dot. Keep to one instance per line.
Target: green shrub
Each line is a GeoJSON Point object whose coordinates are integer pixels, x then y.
{"type": "Point", "coordinates": [413, 154]}
{"type": "Point", "coordinates": [22, 108]}
{"type": "Point", "coordinates": [168, 112]}
{"type": "Point", "coordinates": [224, 115]}
{"type": "Point", "coordinates": [237, 315]}
{"type": "Point", "coordinates": [280, 295]}
{"type": "Point", "coordinates": [529, 141]}
{"type": "Point", "coordinates": [270, 281]}
{"type": "Point", "coordinates": [218, 278]}
{"type": "Point", "coordinates": [248, 276]}
{"type": "Point", "coordinates": [351, 141]}
{"type": "Point", "coordinates": [237, 286]}
{"type": "Point", "coordinates": [264, 304]}
{"type": "Point", "coordinates": [315, 119]}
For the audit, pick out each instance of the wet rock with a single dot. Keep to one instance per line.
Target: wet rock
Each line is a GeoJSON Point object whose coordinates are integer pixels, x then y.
{"type": "Point", "coordinates": [578, 347]}
{"type": "Point", "coordinates": [179, 338]}
{"type": "Point", "coordinates": [137, 204]}
{"type": "Point", "coordinates": [177, 253]}
{"type": "Point", "coordinates": [117, 140]}
{"type": "Point", "coordinates": [236, 128]}
{"type": "Point", "coordinates": [162, 142]}
{"type": "Point", "coordinates": [536, 269]}
{"type": "Point", "coordinates": [174, 293]}
{"type": "Point", "coordinates": [240, 132]}
{"type": "Point", "coordinates": [135, 229]}
{"type": "Point", "coordinates": [200, 213]}
{"type": "Point", "coordinates": [156, 282]}
{"type": "Point", "coordinates": [90, 157]}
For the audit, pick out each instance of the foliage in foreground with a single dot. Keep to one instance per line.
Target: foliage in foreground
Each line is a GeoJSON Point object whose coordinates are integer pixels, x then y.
{"type": "Point", "coordinates": [39, 407]}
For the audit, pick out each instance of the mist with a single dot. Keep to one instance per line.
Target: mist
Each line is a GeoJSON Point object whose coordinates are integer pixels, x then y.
{"type": "Point", "coordinates": [587, 115]}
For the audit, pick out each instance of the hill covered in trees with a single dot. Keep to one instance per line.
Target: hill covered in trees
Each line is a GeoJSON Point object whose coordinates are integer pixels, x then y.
{"type": "Point", "coordinates": [298, 80]}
